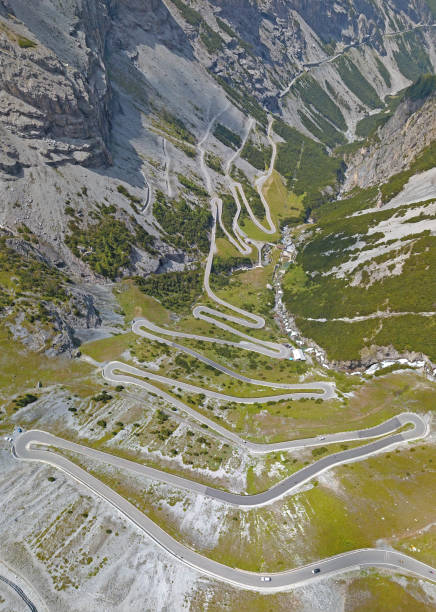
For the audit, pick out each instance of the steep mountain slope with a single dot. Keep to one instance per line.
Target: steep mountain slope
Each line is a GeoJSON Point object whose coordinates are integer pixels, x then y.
{"type": "Point", "coordinates": [362, 283]}
{"type": "Point", "coordinates": [397, 139]}
{"type": "Point", "coordinates": [104, 103]}
{"type": "Point", "coordinates": [272, 159]}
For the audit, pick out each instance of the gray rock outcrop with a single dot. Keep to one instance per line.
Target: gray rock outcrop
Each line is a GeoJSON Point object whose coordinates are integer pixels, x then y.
{"type": "Point", "coordinates": [396, 144]}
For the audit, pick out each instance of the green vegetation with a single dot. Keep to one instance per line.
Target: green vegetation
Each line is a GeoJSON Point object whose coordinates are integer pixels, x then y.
{"type": "Point", "coordinates": [411, 57]}
{"type": "Point", "coordinates": [409, 333]}
{"type": "Point", "coordinates": [192, 186]}
{"type": "Point", "coordinates": [107, 244]}
{"type": "Point", "coordinates": [422, 88]}
{"type": "Point", "coordinates": [25, 43]}
{"type": "Point", "coordinates": [259, 157]}
{"type": "Point", "coordinates": [104, 397]}
{"type": "Point", "coordinates": [25, 400]}
{"type": "Point", "coordinates": [214, 162]}
{"type": "Point", "coordinates": [22, 370]}
{"type": "Point", "coordinates": [108, 348]}
{"type": "Point", "coordinates": [134, 200]}
{"type": "Point", "coordinates": [26, 276]}
{"type": "Point", "coordinates": [310, 292]}
{"type": "Point", "coordinates": [286, 207]}
{"type": "Point", "coordinates": [187, 224]}
{"type": "Point", "coordinates": [356, 82]}
{"type": "Point", "coordinates": [368, 125]}
{"type": "Point", "coordinates": [189, 14]}
{"type": "Point", "coordinates": [176, 290]}
{"type": "Point", "coordinates": [251, 194]}
{"type": "Point", "coordinates": [322, 129]}
{"type": "Point", "coordinates": [211, 39]}
{"type": "Point", "coordinates": [342, 341]}
{"type": "Point", "coordinates": [325, 296]}
{"type": "Point", "coordinates": [432, 6]}
{"type": "Point", "coordinates": [174, 127]}
{"type": "Point", "coordinates": [296, 159]}
{"type": "Point", "coordinates": [225, 265]}
{"type": "Point", "coordinates": [389, 369]}
{"type": "Point", "coordinates": [229, 210]}
{"type": "Point", "coordinates": [227, 137]}
{"type": "Point", "coordinates": [313, 95]}
{"type": "Point", "coordinates": [135, 303]}
{"type": "Point", "coordinates": [384, 72]}
{"type": "Point", "coordinates": [243, 99]}
{"type": "Point", "coordinates": [226, 28]}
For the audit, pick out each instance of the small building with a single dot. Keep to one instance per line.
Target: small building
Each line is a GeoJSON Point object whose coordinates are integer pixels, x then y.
{"type": "Point", "coordinates": [298, 355]}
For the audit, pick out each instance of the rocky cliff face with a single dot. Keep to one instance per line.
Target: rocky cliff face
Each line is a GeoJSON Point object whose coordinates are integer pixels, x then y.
{"type": "Point", "coordinates": [56, 107]}
{"type": "Point", "coordinates": [395, 145]}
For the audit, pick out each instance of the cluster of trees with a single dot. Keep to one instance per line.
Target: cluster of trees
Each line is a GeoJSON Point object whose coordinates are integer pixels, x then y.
{"type": "Point", "coordinates": [31, 276]}
{"type": "Point", "coordinates": [103, 397]}
{"type": "Point", "coordinates": [107, 244]}
{"type": "Point", "coordinates": [325, 114]}
{"type": "Point", "coordinates": [227, 136]}
{"type": "Point", "coordinates": [214, 162]}
{"type": "Point", "coordinates": [25, 400]}
{"type": "Point", "coordinates": [259, 157]}
{"type": "Point", "coordinates": [297, 157]}
{"type": "Point", "coordinates": [192, 186]}
{"type": "Point", "coordinates": [422, 88]}
{"type": "Point", "coordinates": [175, 290]}
{"type": "Point", "coordinates": [314, 95]}
{"type": "Point", "coordinates": [411, 56]}
{"type": "Point", "coordinates": [229, 210]}
{"type": "Point", "coordinates": [134, 200]}
{"type": "Point", "coordinates": [225, 265]}
{"type": "Point", "coordinates": [250, 193]}
{"type": "Point", "coordinates": [322, 129]}
{"type": "Point", "coordinates": [187, 225]}
{"type": "Point", "coordinates": [356, 82]}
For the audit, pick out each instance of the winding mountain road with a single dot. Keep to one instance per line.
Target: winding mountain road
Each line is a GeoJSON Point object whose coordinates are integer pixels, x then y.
{"type": "Point", "coordinates": [118, 372]}
{"type": "Point", "coordinates": [307, 67]}
{"type": "Point", "coordinates": [23, 448]}
{"type": "Point", "coordinates": [25, 443]}
{"type": "Point", "coordinates": [33, 445]}
{"type": "Point", "coordinates": [138, 325]}
{"type": "Point", "coordinates": [109, 374]}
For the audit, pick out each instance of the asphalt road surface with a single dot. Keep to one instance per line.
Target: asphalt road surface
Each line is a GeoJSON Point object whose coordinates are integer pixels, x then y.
{"type": "Point", "coordinates": [277, 582]}
{"type": "Point", "coordinates": [19, 592]}
{"type": "Point", "coordinates": [24, 448]}
{"type": "Point", "coordinates": [132, 375]}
